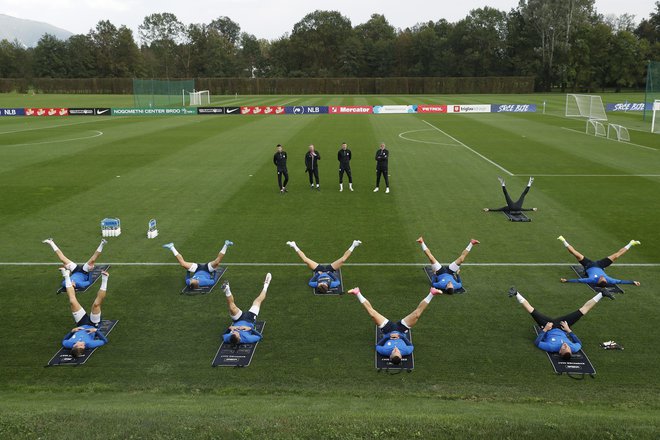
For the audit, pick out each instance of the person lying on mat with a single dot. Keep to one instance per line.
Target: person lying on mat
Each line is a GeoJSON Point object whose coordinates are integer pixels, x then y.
{"type": "Point", "coordinates": [595, 274]}
{"type": "Point", "coordinates": [79, 273]}
{"type": "Point", "coordinates": [202, 273]}
{"type": "Point", "coordinates": [394, 342]}
{"type": "Point", "coordinates": [86, 333]}
{"type": "Point", "coordinates": [242, 328]}
{"type": "Point", "coordinates": [557, 336]}
{"type": "Point", "coordinates": [447, 278]}
{"type": "Point", "coordinates": [324, 277]}
{"type": "Point", "coordinates": [511, 206]}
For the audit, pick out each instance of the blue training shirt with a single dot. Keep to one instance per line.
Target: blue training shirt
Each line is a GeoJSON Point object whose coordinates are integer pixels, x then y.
{"type": "Point", "coordinates": [441, 281]}
{"type": "Point", "coordinates": [334, 279]}
{"type": "Point", "coordinates": [205, 279]}
{"type": "Point", "coordinates": [594, 273]}
{"type": "Point", "coordinates": [386, 345]}
{"type": "Point", "coordinates": [552, 340]}
{"type": "Point", "coordinates": [80, 279]}
{"type": "Point", "coordinates": [91, 340]}
{"type": "Point", "coordinates": [247, 336]}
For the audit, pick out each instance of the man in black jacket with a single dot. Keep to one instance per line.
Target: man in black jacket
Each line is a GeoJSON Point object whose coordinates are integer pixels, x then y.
{"type": "Point", "coordinates": [312, 158]}
{"type": "Point", "coordinates": [279, 159]}
{"type": "Point", "coordinates": [344, 157]}
{"type": "Point", "coordinates": [382, 156]}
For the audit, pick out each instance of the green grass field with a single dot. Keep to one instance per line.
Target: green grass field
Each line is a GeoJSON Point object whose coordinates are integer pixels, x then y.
{"type": "Point", "coordinates": [207, 179]}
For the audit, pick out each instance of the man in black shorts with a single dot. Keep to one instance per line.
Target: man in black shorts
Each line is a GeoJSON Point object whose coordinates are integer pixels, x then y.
{"type": "Point", "coordinates": [394, 342]}
{"type": "Point", "coordinates": [85, 334]}
{"type": "Point", "coordinates": [279, 159]}
{"type": "Point", "coordinates": [200, 274]}
{"type": "Point", "coordinates": [511, 206]}
{"type": "Point", "coordinates": [324, 275]}
{"type": "Point", "coordinates": [596, 276]}
{"type": "Point", "coordinates": [79, 273]}
{"type": "Point", "coordinates": [557, 336]}
{"type": "Point", "coordinates": [241, 330]}
{"type": "Point", "coordinates": [312, 158]}
{"type": "Point", "coordinates": [344, 156]}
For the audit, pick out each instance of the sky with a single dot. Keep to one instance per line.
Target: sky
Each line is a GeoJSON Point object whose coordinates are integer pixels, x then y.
{"type": "Point", "coordinates": [269, 19]}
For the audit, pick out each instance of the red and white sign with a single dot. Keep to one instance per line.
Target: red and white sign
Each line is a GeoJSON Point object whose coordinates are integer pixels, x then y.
{"type": "Point", "coordinates": [352, 109]}
{"type": "Point", "coordinates": [46, 112]}
{"type": "Point", "coordinates": [464, 108]}
{"type": "Point", "coordinates": [432, 109]}
{"type": "Point", "coordinates": [279, 110]}
{"type": "Point", "coordinates": [247, 110]}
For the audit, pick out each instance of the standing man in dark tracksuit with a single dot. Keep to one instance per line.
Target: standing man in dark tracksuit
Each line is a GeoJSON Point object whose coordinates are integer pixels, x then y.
{"type": "Point", "coordinates": [312, 158]}
{"type": "Point", "coordinates": [344, 157]}
{"type": "Point", "coordinates": [382, 156]}
{"type": "Point", "coordinates": [279, 159]}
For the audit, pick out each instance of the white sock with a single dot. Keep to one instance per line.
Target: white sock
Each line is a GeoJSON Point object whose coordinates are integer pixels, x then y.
{"type": "Point", "coordinates": [361, 298]}
{"type": "Point", "coordinates": [67, 281]}
{"type": "Point", "coordinates": [628, 246]}
{"type": "Point", "coordinates": [174, 251]}
{"type": "Point", "coordinates": [469, 247]}
{"type": "Point", "coordinates": [100, 248]}
{"type": "Point", "coordinates": [424, 248]}
{"type": "Point", "coordinates": [520, 298]}
{"type": "Point", "coordinates": [223, 250]}
{"type": "Point", "coordinates": [104, 282]}
{"type": "Point", "coordinates": [352, 247]}
{"type": "Point", "coordinates": [598, 297]}
{"type": "Point", "coordinates": [228, 292]}
{"type": "Point", "coordinates": [565, 243]}
{"type": "Point", "coordinates": [428, 298]}
{"type": "Point", "coordinates": [295, 247]}
{"type": "Point", "coordinates": [350, 185]}
{"type": "Point", "coordinates": [53, 245]}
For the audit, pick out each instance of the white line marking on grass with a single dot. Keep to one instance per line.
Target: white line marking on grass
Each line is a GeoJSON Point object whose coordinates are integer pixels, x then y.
{"type": "Point", "coordinates": [401, 135]}
{"type": "Point", "coordinates": [475, 152]}
{"type": "Point", "coordinates": [98, 133]}
{"type": "Point", "coordinates": [608, 139]}
{"type": "Point", "coordinates": [104, 119]}
{"type": "Point", "coordinates": [288, 102]}
{"type": "Point", "coordinates": [7, 263]}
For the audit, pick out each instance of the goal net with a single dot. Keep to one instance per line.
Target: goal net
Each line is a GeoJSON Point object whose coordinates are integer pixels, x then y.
{"type": "Point", "coordinates": [585, 106]}
{"type": "Point", "coordinates": [618, 132]}
{"type": "Point", "coordinates": [202, 97]}
{"type": "Point", "coordinates": [160, 93]}
{"type": "Point", "coordinates": [596, 128]}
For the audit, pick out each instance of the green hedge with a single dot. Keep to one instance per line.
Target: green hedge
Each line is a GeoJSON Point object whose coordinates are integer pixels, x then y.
{"type": "Point", "coordinates": [287, 86]}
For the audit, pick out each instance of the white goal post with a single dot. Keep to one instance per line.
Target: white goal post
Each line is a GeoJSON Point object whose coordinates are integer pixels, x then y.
{"type": "Point", "coordinates": [585, 106]}
{"type": "Point", "coordinates": [619, 131]}
{"type": "Point", "coordinates": [596, 128]}
{"type": "Point", "coordinates": [201, 97]}
{"type": "Point", "coordinates": [655, 121]}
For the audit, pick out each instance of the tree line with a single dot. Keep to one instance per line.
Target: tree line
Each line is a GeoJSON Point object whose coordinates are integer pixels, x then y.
{"type": "Point", "coordinates": [561, 43]}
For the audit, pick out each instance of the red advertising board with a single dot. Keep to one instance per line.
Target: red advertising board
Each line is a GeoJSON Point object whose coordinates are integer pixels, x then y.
{"type": "Point", "coordinates": [247, 110]}
{"type": "Point", "coordinates": [431, 109]}
{"type": "Point", "coordinates": [46, 112]}
{"type": "Point", "coordinates": [351, 109]}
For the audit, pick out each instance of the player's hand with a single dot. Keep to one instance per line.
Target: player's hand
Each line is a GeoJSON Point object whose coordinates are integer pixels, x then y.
{"type": "Point", "coordinates": [76, 329]}
{"type": "Point", "coordinates": [636, 283]}
{"type": "Point", "coordinates": [548, 327]}
{"type": "Point", "coordinates": [91, 330]}
{"type": "Point", "coordinates": [563, 280]}
{"type": "Point", "coordinates": [565, 327]}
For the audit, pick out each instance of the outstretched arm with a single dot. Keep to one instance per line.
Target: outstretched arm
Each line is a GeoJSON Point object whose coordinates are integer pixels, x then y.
{"type": "Point", "coordinates": [576, 280]}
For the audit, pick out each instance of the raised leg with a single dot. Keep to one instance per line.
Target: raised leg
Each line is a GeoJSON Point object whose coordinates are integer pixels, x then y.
{"type": "Point", "coordinates": [618, 253]}
{"type": "Point", "coordinates": [215, 263]}
{"type": "Point", "coordinates": [375, 316]}
{"type": "Point", "coordinates": [339, 263]}
{"type": "Point", "coordinates": [185, 264]}
{"type": "Point", "coordinates": [413, 317]}
{"type": "Point", "coordinates": [231, 305]}
{"type": "Point", "coordinates": [100, 296]}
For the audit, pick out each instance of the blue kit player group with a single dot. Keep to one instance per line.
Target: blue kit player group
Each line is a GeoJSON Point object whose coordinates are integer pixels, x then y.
{"type": "Point", "coordinates": [325, 275]}
{"type": "Point", "coordinates": [447, 278]}
{"type": "Point", "coordinates": [596, 276]}
{"type": "Point", "coordinates": [199, 274]}
{"type": "Point", "coordinates": [242, 329]}
{"type": "Point", "coordinates": [79, 273]}
{"type": "Point", "coordinates": [86, 333]}
{"type": "Point", "coordinates": [394, 342]}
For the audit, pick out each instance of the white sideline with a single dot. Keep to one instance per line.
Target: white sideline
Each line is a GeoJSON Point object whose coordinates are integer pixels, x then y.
{"type": "Point", "coordinates": [98, 133]}
{"type": "Point", "coordinates": [137, 263]}
{"type": "Point", "coordinates": [475, 152]}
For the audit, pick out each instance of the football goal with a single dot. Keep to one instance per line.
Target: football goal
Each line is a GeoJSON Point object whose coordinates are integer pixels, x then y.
{"type": "Point", "coordinates": [618, 132]}
{"type": "Point", "coordinates": [596, 128]}
{"type": "Point", "coordinates": [585, 106]}
{"type": "Point", "coordinates": [202, 97]}
{"type": "Point", "coordinates": [655, 122]}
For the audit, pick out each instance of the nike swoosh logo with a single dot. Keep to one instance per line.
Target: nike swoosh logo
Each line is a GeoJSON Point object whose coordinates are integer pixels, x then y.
{"type": "Point", "coordinates": [100, 112]}
{"type": "Point", "coordinates": [232, 110]}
